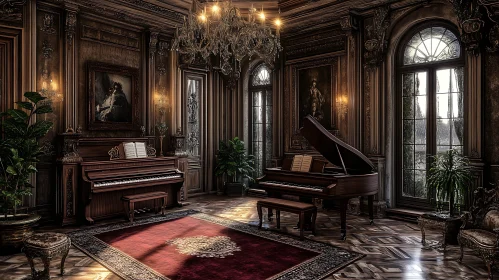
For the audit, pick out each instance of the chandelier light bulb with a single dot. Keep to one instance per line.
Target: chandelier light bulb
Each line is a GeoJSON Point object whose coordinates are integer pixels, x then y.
{"type": "Point", "coordinates": [215, 9]}
{"type": "Point", "coordinates": [262, 16]}
{"type": "Point", "coordinates": [202, 17]}
{"type": "Point", "coordinates": [278, 22]}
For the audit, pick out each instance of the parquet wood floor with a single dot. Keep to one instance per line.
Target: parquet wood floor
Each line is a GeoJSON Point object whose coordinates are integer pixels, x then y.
{"type": "Point", "coordinates": [393, 248]}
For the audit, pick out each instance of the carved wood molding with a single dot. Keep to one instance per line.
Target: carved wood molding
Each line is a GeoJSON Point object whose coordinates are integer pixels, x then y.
{"type": "Point", "coordinates": [70, 26]}
{"type": "Point", "coordinates": [11, 10]}
{"type": "Point", "coordinates": [376, 43]}
{"type": "Point", "coordinates": [478, 23]}
{"type": "Point", "coordinates": [128, 40]}
{"type": "Point", "coordinates": [367, 110]}
{"type": "Point", "coordinates": [163, 49]}
{"type": "Point", "coordinates": [141, 13]}
{"type": "Point", "coordinates": [316, 43]}
{"type": "Point", "coordinates": [153, 43]}
{"type": "Point", "coordinates": [151, 7]}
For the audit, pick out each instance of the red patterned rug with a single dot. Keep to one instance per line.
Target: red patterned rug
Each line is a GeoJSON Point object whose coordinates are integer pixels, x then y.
{"type": "Point", "coordinates": [192, 245]}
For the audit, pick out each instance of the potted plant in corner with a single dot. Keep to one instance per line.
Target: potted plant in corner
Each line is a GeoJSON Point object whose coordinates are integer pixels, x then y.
{"type": "Point", "coordinates": [448, 180]}
{"type": "Point", "coordinates": [234, 163]}
{"type": "Point", "coordinates": [449, 176]}
{"type": "Point", "coordinates": [19, 150]}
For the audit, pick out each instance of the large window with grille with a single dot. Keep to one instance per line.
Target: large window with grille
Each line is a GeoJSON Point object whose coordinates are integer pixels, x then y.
{"type": "Point", "coordinates": [430, 99]}
{"type": "Point", "coordinates": [260, 89]}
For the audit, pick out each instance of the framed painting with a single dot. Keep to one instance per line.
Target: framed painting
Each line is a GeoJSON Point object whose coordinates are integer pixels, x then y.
{"type": "Point", "coordinates": [113, 97]}
{"type": "Point", "coordinates": [312, 91]}
{"type": "Point", "coordinates": [315, 86]}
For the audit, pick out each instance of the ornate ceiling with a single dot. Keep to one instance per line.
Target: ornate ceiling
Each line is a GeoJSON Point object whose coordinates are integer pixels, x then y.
{"type": "Point", "coordinates": [165, 15]}
{"type": "Point", "coordinates": [298, 16]}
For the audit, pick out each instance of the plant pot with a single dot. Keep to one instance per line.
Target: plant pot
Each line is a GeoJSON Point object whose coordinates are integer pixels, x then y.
{"type": "Point", "coordinates": [235, 189]}
{"type": "Point", "coordinates": [14, 230]}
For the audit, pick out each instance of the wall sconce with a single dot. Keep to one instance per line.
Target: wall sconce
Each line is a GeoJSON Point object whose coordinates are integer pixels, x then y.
{"type": "Point", "coordinates": [162, 103]}
{"type": "Point", "coordinates": [342, 105]}
{"type": "Point", "coordinates": [50, 89]}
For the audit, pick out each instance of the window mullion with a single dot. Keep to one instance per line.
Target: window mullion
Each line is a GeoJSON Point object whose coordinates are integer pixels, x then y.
{"type": "Point", "coordinates": [431, 139]}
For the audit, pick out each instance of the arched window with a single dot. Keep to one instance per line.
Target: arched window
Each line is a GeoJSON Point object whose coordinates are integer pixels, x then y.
{"type": "Point", "coordinates": [430, 98]}
{"type": "Point", "coordinates": [260, 134]}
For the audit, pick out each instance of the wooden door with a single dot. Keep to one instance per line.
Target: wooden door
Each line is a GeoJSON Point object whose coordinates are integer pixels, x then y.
{"type": "Point", "coordinates": [194, 92]}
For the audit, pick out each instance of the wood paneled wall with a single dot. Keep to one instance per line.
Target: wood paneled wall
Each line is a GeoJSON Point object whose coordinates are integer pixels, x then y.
{"type": "Point", "coordinates": [328, 33]}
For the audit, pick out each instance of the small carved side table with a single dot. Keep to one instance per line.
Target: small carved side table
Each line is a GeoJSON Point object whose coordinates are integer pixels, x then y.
{"type": "Point", "coordinates": [46, 246]}
{"type": "Point", "coordinates": [449, 226]}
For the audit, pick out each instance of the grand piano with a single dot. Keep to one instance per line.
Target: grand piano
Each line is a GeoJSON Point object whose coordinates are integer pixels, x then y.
{"type": "Point", "coordinates": [90, 184]}
{"type": "Point", "coordinates": [352, 176]}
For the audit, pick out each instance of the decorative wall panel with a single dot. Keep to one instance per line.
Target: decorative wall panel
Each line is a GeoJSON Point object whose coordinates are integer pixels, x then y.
{"type": "Point", "coordinates": [49, 81]}
{"type": "Point", "coordinates": [491, 114]}
{"type": "Point", "coordinates": [104, 51]}
{"type": "Point", "coordinates": [316, 43]}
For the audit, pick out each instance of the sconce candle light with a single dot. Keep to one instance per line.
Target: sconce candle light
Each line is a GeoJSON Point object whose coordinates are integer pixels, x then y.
{"type": "Point", "coordinates": [342, 105]}
{"type": "Point", "coordinates": [161, 103]}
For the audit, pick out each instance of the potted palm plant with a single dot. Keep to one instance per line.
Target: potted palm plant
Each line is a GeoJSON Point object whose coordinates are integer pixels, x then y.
{"type": "Point", "coordinates": [19, 150]}
{"type": "Point", "coordinates": [235, 164]}
{"type": "Point", "coordinates": [449, 176]}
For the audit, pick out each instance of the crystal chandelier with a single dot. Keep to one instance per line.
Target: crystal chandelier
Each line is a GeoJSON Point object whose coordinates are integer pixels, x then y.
{"type": "Point", "coordinates": [221, 31]}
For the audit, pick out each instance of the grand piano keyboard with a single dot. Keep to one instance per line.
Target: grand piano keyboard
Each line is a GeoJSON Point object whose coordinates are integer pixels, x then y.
{"type": "Point", "coordinates": [137, 180]}
{"type": "Point", "coordinates": [295, 185]}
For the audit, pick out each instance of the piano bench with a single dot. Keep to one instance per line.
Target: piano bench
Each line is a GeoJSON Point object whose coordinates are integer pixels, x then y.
{"type": "Point", "coordinates": [129, 202]}
{"type": "Point", "coordinates": [279, 205]}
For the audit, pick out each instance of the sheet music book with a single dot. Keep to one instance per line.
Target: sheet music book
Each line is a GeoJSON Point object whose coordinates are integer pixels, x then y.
{"type": "Point", "coordinates": [140, 147]}
{"type": "Point", "coordinates": [306, 163]}
{"type": "Point", "coordinates": [301, 163]}
{"type": "Point", "coordinates": [135, 150]}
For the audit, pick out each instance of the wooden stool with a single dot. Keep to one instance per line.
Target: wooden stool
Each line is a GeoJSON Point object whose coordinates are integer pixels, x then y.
{"type": "Point", "coordinates": [288, 206]}
{"type": "Point", "coordinates": [131, 199]}
{"type": "Point", "coordinates": [46, 246]}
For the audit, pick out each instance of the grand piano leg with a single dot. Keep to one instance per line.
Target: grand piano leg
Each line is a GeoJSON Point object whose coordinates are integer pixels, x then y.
{"type": "Point", "coordinates": [343, 218]}
{"type": "Point", "coordinates": [370, 204]}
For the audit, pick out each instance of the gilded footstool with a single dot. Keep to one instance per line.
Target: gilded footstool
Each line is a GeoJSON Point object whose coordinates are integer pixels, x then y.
{"type": "Point", "coordinates": [46, 246]}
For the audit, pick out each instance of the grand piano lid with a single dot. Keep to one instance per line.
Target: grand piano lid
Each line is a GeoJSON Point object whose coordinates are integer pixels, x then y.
{"type": "Point", "coordinates": [329, 145]}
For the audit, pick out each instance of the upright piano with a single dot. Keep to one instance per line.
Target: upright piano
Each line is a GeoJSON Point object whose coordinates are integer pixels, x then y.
{"type": "Point", "coordinates": [90, 185]}
{"type": "Point", "coordinates": [352, 174]}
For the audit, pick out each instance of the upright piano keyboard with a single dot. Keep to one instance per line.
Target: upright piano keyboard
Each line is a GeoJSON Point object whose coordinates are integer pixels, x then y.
{"type": "Point", "coordinates": [91, 188]}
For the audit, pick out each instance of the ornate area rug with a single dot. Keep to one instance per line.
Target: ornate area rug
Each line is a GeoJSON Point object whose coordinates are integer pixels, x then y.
{"type": "Point", "coordinates": [193, 245]}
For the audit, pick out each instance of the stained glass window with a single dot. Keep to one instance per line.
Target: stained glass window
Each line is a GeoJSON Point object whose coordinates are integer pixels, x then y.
{"type": "Point", "coordinates": [261, 118]}
{"type": "Point", "coordinates": [430, 45]}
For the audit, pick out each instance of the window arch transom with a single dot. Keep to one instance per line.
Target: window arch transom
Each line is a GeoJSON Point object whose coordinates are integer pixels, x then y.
{"type": "Point", "coordinates": [261, 76]}
{"type": "Point", "coordinates": [430, 45]}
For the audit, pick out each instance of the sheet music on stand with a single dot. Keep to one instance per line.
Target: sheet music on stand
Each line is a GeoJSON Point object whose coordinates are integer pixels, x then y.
{"type": "Point", "coordinates": [301, 163]}
{"type": "Point", "coordinates": [135, 150]}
